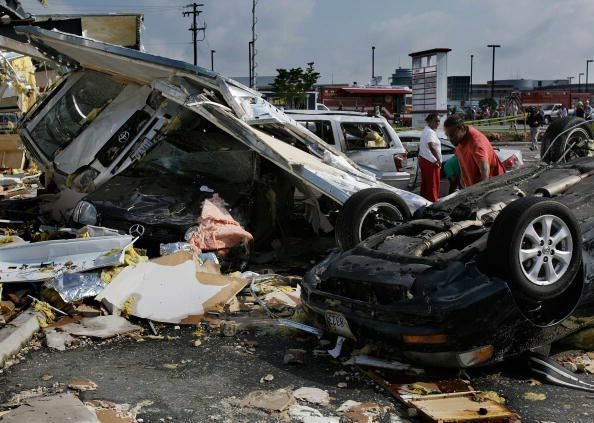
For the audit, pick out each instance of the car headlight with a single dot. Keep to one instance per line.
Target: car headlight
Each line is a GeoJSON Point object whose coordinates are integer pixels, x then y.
{"type": "Point", "coordinates": [85, 213]}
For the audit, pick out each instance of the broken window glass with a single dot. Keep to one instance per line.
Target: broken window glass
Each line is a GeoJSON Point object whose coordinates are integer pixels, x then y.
{"type": "Point", "coordinates": [359, 135]}
{"type": "Point", "coordinates": [77, 108]}
{"type": "Point", "coordinates": [193, 147]}
{"type": "Point", "coordinates": [322, 128]}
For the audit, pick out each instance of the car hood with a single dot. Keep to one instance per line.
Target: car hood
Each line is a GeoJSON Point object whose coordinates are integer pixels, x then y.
{"type": "Point", "coordinates": [328, 171]}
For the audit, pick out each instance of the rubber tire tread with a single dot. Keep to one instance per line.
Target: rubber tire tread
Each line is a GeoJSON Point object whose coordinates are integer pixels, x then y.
{"type": "Point", "coordinates": [353, 209]}
{"type": "Point", "coordinates": [555, 128]}
{"type": "Point", "coordinates": [501, 251]}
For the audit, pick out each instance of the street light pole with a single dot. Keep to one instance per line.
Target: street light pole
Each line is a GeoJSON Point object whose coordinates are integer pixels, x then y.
{"type": "Point", "coordinates": [493, 46]}
{"type": "Point", "coordinates": [569, 78]}
{"type": "Point", "coordinates": [580, 82]}
{"type": "Point", "coordinates": [372, 63]}
{"type": "Point", "coordinates": [470, 95]}
{"type": "Point", "coordinates": [587, 63]}
{"type": "Point", "coordinates": [212, 52]}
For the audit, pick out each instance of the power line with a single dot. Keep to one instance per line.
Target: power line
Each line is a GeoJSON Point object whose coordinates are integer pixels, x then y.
{"type": "Point", "coordinates": [194, 12]}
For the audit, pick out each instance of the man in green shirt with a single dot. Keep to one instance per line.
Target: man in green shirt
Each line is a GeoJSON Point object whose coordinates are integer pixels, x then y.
{"type": "Point", "coordinates": [452, 171]}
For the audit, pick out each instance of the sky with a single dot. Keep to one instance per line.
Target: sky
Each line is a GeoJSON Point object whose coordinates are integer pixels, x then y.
{"type": "Point", "coordinates": [540, 39]}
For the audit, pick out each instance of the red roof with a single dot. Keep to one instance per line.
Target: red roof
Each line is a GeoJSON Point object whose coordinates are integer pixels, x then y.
{"type": "Point", "coordinates": [354, 90]}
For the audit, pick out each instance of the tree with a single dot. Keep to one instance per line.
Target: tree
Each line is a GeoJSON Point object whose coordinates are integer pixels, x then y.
{"type": "Point", "coordinates": [492, 104]}
{"type": "Point", "coordinates": [293, 84]}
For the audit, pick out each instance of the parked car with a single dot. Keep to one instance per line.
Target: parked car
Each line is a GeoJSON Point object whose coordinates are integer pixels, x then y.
{"type": "Point", "coordinates": [510, 158]}
{"type": "Point", "coordinates": [137, 142]}
{"type": "Point", "coordinates": [488, 273]}
{"type": "Point", "coordinates": [349, 133]}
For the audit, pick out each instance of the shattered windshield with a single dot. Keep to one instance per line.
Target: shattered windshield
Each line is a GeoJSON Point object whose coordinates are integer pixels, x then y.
{"type": "Point", "coordinates": [193, 147]}
{"type": "Point", "coordinates": [74, 111]}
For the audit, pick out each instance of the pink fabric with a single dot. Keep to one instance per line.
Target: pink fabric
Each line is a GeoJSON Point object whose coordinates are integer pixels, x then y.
{"type": "Point", "coordinates": [216, 227]}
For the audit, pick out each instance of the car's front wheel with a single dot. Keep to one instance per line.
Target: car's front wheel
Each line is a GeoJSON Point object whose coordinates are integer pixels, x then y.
{"type": "Point", "coordinates": [367, 213]}
{"type": "Point", "coordinates": [535, 245]}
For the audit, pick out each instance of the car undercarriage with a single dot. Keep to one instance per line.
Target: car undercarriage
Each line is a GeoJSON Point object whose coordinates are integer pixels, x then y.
{"type": "Point", "coordinates": [437, 286]}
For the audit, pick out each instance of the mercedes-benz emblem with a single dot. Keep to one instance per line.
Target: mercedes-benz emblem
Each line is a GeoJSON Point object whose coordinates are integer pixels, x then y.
{"type": "Point", "coordinates": [136, 230]}
{"type": "Point", "coordinates": [124, 136]}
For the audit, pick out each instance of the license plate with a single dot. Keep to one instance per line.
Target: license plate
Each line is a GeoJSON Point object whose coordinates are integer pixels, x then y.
{"type": "Point", "coordinates": [338, 324]}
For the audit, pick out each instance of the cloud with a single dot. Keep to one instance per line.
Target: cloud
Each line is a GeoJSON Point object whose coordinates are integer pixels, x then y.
{"type": "Point", "coordinates": [543, 39]}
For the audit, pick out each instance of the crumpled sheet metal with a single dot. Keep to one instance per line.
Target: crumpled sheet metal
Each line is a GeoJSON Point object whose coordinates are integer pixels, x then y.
{"type": "Point", "coordinates": [41, 261]}
{"type": "Point", "coordinates": [76, 286]}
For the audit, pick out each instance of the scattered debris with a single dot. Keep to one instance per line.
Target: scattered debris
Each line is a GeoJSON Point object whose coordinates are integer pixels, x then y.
{"type": "Point", "coordinates": [304, 414]}
{"type": "Point", "coordinates": [447, 400]}
{"type": "Point", "coordinates": [335, 352]}
{"type": "Point", "coordinates": [312, 395]}
{"type": "Point", "coordinates": [267, 378]}
{"type": "Point", "coordinates": [278, 400]}
{"type": "Point", "coordinates": [57, 340]}
{"type": "Point", "coordinates": [368, 412]}
{"type": "Point", "coordinates": [342, 385]}
{"type": "Point", "coordinates": [492, 395]}
{"type": "Point", "coordinates": [75, 286]}
{"type": "Point", "coordinates": [83, 385]}
{"type": "Point", "coordinates": [170, 289]}
{"type": "Point", "coordinates": [53, 409]}
{"type": "Point", "coordinates": [40, 261]}
{"type": "Point", "coordinates": [365, 360]}
{"type": "Point", "coordinates": [533, 396]}
{"type": "Point", "coordinates": [109, 412]}
{"type": "Point", "coordinates": [295, 356]}
{"type": "Point", "coordinates": [101, 327]}
{"type": "Point", "coordinates": [217, 229]}
{"type": "Point", "coordinates": [582, 340]}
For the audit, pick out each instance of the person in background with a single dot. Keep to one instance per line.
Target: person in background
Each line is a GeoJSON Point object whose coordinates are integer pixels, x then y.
{"type": "Point", "coordinates": [430, 158]}
{"type": "Point", "coordinates": [534, 121]}
{"type": "Point", "coordinates": [513, 110]}
{"type": "Point", "coordinates": [452, 171]}
{"type": "Point", "coordinates": [588, 110]}
{"type": "Point", "coordinates": [579, 110]}
{"type": "Point", "coordinates": [563, 111]}
{"type": "Point", "coordinates": [478, 161]}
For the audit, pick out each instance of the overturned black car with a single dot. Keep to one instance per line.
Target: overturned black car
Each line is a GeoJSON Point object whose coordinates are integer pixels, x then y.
{"type": "Point", "coordinates": [487, 273]}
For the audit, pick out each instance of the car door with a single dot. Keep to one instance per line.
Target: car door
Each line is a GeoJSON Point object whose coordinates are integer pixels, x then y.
{"type": "Point", "coordinates": [324, 130]}
{"type": "Point", "coordinates": [372, 146]}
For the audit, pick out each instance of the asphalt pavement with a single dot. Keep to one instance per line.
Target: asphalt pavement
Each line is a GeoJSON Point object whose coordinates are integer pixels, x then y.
{"type": "Point", "coordinates": [186, 383]}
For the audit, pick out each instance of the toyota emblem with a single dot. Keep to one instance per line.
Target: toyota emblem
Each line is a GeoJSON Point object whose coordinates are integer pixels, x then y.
{"type": "Point", "coordinates": [124, 136]}
{"type": "Point", "coordinates": [136, 230]}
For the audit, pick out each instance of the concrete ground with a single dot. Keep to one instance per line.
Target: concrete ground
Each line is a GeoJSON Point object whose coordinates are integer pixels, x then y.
{"type": "Point", "coordinates": [209, 377]}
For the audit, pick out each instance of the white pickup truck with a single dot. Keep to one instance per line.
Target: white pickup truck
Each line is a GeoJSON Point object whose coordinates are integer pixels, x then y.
{"type": "Point", "coordinates": [551, 112]}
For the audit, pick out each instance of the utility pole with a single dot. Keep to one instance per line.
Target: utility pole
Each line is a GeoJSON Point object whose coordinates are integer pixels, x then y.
{"type": "Point", "coordinates": [470, 87]}
{"type": "Point", "coordinates": [253, 64]}
{"type": "Point", "coordinates": [587, 63]}
{"type": "Point", "coordinates": [569, 78]}
{"type": "Point", "coordinates": [250, 47]}
{"type": "Point", "coordinates": [493, 46]}
{"type": "Point", "coordinates": [580, 82]}
{"type": "Point", "coordinates": [194, 27]}
{"type": "Point", "coordinates": [372, 64]}
{"type": "Point", "coordinates": [212, 52]}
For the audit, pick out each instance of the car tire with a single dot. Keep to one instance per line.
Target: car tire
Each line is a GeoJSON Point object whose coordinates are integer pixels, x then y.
{"type": "Point", "coordinates": [555, 152]}
{"type": "Point", "coordinates": [366, 213]}
{"type": "Point", "coordinates": [519, 231]}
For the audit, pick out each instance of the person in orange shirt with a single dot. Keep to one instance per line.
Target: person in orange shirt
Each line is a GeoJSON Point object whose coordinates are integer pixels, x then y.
{"type": "Point", "coordinates": [478, 160]}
